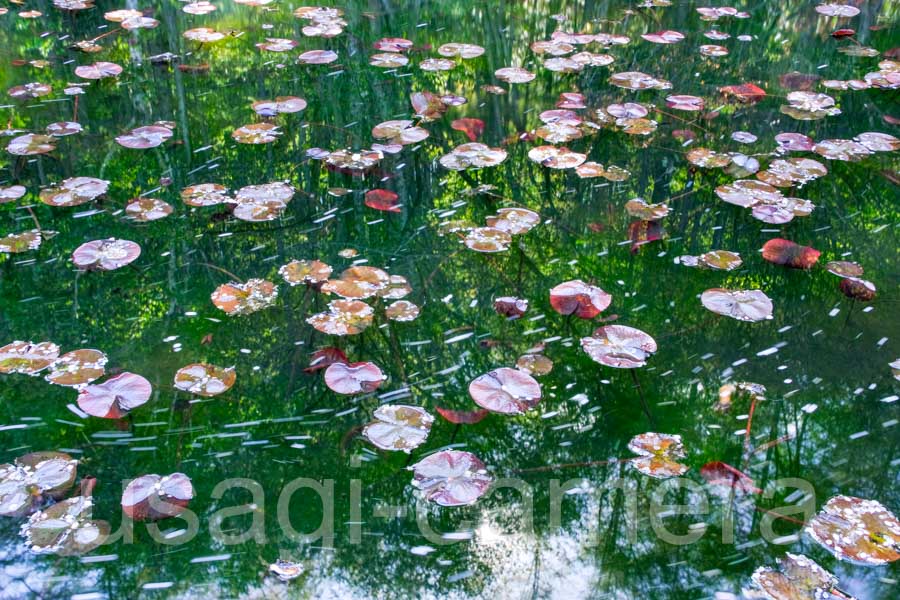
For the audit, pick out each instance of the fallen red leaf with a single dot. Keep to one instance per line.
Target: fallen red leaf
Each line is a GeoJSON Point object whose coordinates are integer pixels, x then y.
{"type": "Point", "coordinates": [473, 128]}
{"type": "Point", "coordinates": [323, 357]}
{"type": "Point", "coordinates": [465, 417]}
{"type": "Point", "coordinates": [644, 232]}
{"type": "Point", "coordinates": [744, 92]}
{"type": "Point", "coordinates": [842, 33]}
{"type": "Point", "coordinates": [790, 254]}
{"type": "Point", "coordinates": [723, 474]}
{"type": "Point", "coordinates": [380, 199]}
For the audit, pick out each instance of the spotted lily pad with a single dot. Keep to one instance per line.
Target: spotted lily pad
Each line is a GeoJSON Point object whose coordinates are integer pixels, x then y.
{"type": "Point", "coordinates": [310, 272]}
{"type": "Point", "coordinates": [65, 529]}
{"type": "Point", "coordinates": [74, 191]}
{"type": "Point", "coordinates": [402, 311]}
{"type": "Point", "coordinates": [857, 530]}
{"type": "Point", "coordinates": [720, 260]}
{"type": "Point", "coordinates": [797, 577]}
{"type": "Point", "coordinates": [105, 255]}
{"type": "Point", "coordinates": [399, 427]}
{"type": "Point", "coordinates": [205, 194]}
{"type": "Point", "coordinates": [658, 455]}
{"type": "Point", "coordinates": [343, 317]}
{"type": "Point", "coordinates": [31, 144]}
{"type": "Point", "coordinates": [148, 209]}
{"type": "Point", "coordinates": [27, 357]}
{"type": "Point", "coordinates": [33, 478]}
{"type": "Point", "coordinates": [14, 243]}
{"type": "Point", "coordinates": [204, 379]}
{"type": "Point", "coordinates": [244, 298]}
{"type": "Point", "coordinates": [77, 368]}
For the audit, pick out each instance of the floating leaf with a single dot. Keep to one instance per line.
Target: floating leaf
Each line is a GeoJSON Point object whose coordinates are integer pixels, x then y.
{"type": "Point", "coordinates": [98, 70]}
{"type": "Point", "coordinates": [473, 128]}
{"type": "Point", "coordinates": [385, 200]}
{"type": "Point", "coordinates": [399, 427]}
{"type": "Point", "coordinates": [401, 311]}
{"type": "Point", "coordinates": [152, 497]}
{"type": "Point", "coordinates": [353, 378]}
{"type": "Point", "coordinates": [857, 530]}
{"type": "Point", "coordinates": [488, 239]}
{"type": "Point", "coordinates": [463, 417]}
{"type": "Point", "coordinates": [205, 380]}
{"type": "Point", "coordinates": [744, 92]}
{"type": "Point", "coordinates": [790, 254]}
{"type": "Point", "coordinates": [664, 37]}
{"type": "Point", "coordinates": [325, 357]}
{"type": "Point", "coordinates": [579, 298]}
{"type": "Point", "coordinates": [286, 570]}
{"type": "Point", "coordinates": [506, 391]}
{"type": "Point", "coordinates": [343, 317]}
{"type": "Point", "coordinates": [148, 209]}
{"type": "Point", "coordinates": [534, 364]}
{"type": "Point", "coordinates": [105, 255]}
{"type": "Point", "coordinates": [402, 132]}
{"type": "Point", "coordinates": [514, 75]}
{"type": "Point", "coordinates": [844, 268]}
{"type": "Point", "coordinates": [720, 260]}
{"type": "Point", "coordinates": [638, 207]}
{"type": "Point", "coordinates": [658, 455]}
{"type": "Point", "coordinates": [27, 357]}
{"type": "Point", "coordinates": [141, 138]}
{"type": "Point", "coordinates": [14, 243]}
{"type": "Point", "coordinates": [837, 10]}
{"type": "Point", "coordinates": [510, 306]}
{"type": "Point", "coordinates": [256, 133]}
{"type": "Point", "coordinates": [74, 191]}
{"type": "Point", "coordinates": [115, 397]}
{"type": "Point", "coordinates": [472, 156]}
{"type": "Point", "coordinates": [743, 305]}
{"type": "Point", "coordinates": [858, 289]}
{"type": "Point", "coordinates": [205, 194]}
{"type": "Point", "coordinates": [31, 144]}
{"type": "Point", "coordinates": [619, 346]}
{"type": "Point", "coordinates": [451, 478]}
{"type": "Point", "coordinates": [33, 478]}
{"type": "Point", "coordinates": [12, 192]}
{"type": "Point", "coordinates": [244, 298]}
{"type": "Point", "coordinates": [65, 529]}
{"type": "Point", "coordinates": [77, 368]}
{"type": "Point", "coordinates": [724, 475]}
{"type": "Point", "coordinates": [556, 158]}
{"type": "Point", "coordinates": [311, 272]}
{"type": "Point", "coordinates": [798, 577]}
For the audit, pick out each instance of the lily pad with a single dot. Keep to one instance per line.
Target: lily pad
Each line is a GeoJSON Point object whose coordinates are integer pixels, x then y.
{"type": "Point", "coordinates": [204, 379]}
{"type": "Point", "coordinates": [451, 478]}
{"type": "Point", "coordinates": [153, 497]}
{"type": "Point", "coordinates": [399, 427]}
{"type": "Point", "coordinates": [658, 455]}
{"type": "Point", "coordinates": [619, 346]}
{"type": "Point", "coordinates": [857, 530]}
{"type": "Point", "coordinates": [506, 391]}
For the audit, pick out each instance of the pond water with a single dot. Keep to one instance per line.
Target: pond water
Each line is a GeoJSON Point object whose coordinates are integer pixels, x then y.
{"type": "Point", "coordinates": [279, 463]}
